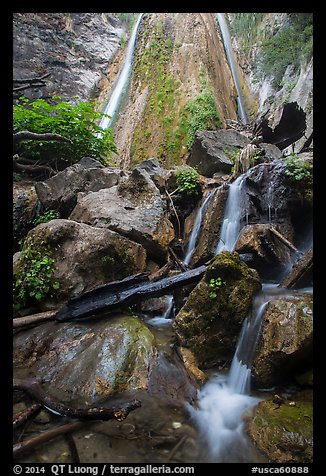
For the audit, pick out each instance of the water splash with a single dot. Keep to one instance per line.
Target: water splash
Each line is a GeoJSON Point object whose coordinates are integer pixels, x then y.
{"type": "Point", "coordinates": [167, 317]}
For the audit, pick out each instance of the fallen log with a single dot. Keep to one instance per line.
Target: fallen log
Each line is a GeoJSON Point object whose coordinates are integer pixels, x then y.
{"type": "Point", "coordinates": [33, 319]}
{"type": "Point", "coordinates": [24, 415]}
{"type": "Point", "coordinates": [34, 390]}
{"type": "Point", "coordinates": [106, 298]}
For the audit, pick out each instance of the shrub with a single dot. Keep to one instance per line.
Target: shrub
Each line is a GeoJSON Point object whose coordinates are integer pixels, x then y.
{"type": "Point", "coordinates": [188, 181]}
{"type": "Point", "coordinates": [46, 216]}
{"type": "Point", "coordinates": [297, 169]}
{"type": "Point", "coordinates": [34, 280]}
{"type": "Point", "coordinates": [79, 123]}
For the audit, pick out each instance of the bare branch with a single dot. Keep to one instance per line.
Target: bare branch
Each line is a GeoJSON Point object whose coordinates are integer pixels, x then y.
{"type": "Point", "coordinates": [27, 135]}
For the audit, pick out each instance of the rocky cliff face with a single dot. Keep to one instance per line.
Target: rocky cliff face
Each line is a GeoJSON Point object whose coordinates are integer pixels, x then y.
{"type": "Point", "coordinates": [179, 56]}
{"type": "Point", "coordinates": [262, 94]}
{"type": "Point", "coordinates": [77, 49]}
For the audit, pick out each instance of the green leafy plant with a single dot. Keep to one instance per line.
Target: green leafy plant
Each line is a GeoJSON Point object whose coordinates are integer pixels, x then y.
{"type": "Point", "coordinates": [214, 286]}
{"type": "Point", "coordinates": [46, 216]}
{"type": "Point", "coordinates": [297, 169]}
{"type": "Point", "coordinates": [34, 280]}
{"type": "Point", "coordinates": [79, 123]}
{"type": "Point", "coordinates": [188, 181]}
{"type": "Point", "coordinates": [201, 113]}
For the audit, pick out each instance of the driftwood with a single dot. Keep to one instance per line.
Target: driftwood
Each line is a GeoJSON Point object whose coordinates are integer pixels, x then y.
{"type": "Point", "coordinates": [24, 415]}
{"type": "Point", "coordinates": [34, 389]}
{"type": "Point", "coordinates": [31, 443]}
{"type": "Point", "coordinates": [107, 298]}
{"type": "Point", "coordinates": [33, 319]}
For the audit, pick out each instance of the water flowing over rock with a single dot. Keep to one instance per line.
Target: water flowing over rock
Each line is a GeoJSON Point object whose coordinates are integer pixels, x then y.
{"type": "Point", "coordinates": [134, 209]}
{"type": "Point", "coordinates": [78, 248]}
{"type": "Point", "coordinates": [211, 150]}
{"type": "Point", "coordinates": [275, 199]}
{"type": "Point", "coordinates": [60, 191]}
{"type": "Point", "coordinates": [285, 344]}
{"type": "Point", "coordinates": [210, 321]}
{"type": "Point", "coordinates": [84, 363]}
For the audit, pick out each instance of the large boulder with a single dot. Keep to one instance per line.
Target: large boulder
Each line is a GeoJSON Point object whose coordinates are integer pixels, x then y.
{"type": "Point", "coordinates": [25, 207]}
{"type": "Point", "coordinates": [277, 199]}
{"type": "Point", "coordinates": [60, 191]}
{"type": "Point", "coordinates": [134, 209]}
{"type": "Point", "coordinates": [210, 321]}
{"type": "Point", "coordinates": [284, 433]}
{"type": "Point", "coordinates": [301, 274]}
{"type": "Point", "coordinates": [86, 362]}
{"type": "Point", "coordinates": [211, 151]}
{"type": "Point", "coordinates": [264, 249]}
{"type": "Point", "coordinates": [284, 347]}
{"type": "Point", "coordinates": [84, 256]}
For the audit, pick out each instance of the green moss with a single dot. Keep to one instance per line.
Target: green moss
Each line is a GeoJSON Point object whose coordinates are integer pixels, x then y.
{"type": "Point", "coordinates": [285, 432]}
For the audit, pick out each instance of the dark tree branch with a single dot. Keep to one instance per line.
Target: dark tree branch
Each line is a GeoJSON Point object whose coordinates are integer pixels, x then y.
{"type": "Point", "coordinates": [34, 390]}
{"type": "Point", "coordinates": [27, 445]}
{"type": "Point", "coordinates": [24, 415]}
{"type": "Point", "coordinates": [27, 135]}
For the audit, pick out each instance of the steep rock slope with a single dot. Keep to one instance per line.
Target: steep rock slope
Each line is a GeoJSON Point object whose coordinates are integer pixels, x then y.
{"type": "Point", "coordinates": [274, 53]}
{"type": "Point", "coordinates": [75, 48]}
{"type": "Point", "coordinates": [180, 57]}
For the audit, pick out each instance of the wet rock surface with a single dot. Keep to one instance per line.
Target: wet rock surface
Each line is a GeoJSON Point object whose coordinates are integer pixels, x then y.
{"type": "Point", "coordinates": [86, 362]}
{"type": "Point", "coordinates": [285, 344]}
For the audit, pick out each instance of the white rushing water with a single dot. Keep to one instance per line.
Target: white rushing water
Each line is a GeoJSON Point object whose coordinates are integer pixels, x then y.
{"type": "Point", "coordinates": [234, 210]}
{"type": "Point", "coordinates": [167, 317]}
{"type": "Point", "coordinates": [121, 85]}
{"type": "Point", "coordinates": [196, 228]}
{"type": "Point", "coordinates": [232, 63]}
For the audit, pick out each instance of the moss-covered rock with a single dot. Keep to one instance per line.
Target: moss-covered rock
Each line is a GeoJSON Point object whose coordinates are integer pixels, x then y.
{"type": "Point", "coordinates": [285, 433]}
{"type": "Point", "coordinates": [210, 321]}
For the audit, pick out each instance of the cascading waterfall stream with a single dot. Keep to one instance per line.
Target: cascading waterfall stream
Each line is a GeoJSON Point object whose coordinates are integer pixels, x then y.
{"type": "Point", "coordinates": [232, 63]}
{"type": "Point", "coordinates": [231, 226]}
{"type": "Point", "coordinates": [196, 228]}
{"type": "Point", "coordinates": [121, 85]}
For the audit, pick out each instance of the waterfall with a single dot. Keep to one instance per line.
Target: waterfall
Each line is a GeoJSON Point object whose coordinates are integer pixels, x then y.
{"type": "Point", "coordinates": [232, 63]}
{"type": "Point", "coordinates": [121, 85]}
{"type": "Point", "coordinates": [196, 228]}
{"type": "Point", "coordinates": [167, 316]}
{"type": "Point", "coordinates": [224, 399]}
{"type": "Point", "coordinates": [231, 226]}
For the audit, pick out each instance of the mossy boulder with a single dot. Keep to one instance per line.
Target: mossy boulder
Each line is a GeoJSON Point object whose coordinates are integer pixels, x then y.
{"type": "Point", "coordinates": [284, 433]}
{"type": "Point", "coordinates": [85, 362]}
{"type": "Point", "coordinates": [210, 321]}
